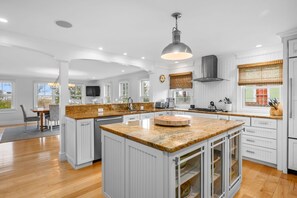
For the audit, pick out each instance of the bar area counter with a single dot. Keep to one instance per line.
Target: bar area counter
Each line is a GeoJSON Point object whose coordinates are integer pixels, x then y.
{"type": "Point", "coordinates": [141, 159]}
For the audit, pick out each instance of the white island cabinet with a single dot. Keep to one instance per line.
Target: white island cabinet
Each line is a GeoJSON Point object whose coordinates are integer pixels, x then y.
{"type": "Point", "coordinates": [79, 146]}
{"type": "Point", "coordinates": [211, 168]}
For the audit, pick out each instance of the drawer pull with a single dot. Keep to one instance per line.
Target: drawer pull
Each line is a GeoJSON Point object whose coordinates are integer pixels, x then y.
{"type": "Point", "coordinates": [263, 123]}
{"type": "Point", "coordinates": [248, 131]}
{"type": "Point", "coordinates": [248, 140]}
{"type": "Point", "coordinates": [252, 152]}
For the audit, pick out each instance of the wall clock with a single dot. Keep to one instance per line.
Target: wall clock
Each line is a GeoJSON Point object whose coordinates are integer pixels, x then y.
{"type": "Point", "coordinates": [162, 78]}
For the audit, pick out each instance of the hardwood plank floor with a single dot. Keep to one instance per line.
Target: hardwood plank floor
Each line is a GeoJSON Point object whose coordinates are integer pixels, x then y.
{"type": "Point", "coordinates": [31, 168]}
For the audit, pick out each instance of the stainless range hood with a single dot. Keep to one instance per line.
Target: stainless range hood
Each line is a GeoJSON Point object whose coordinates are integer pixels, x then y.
{"type": "Point", "coordinates": [209, 69]}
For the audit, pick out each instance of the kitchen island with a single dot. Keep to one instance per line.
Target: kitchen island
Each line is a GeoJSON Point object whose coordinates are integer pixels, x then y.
{"type": "Point", "coordinates": [141, 159]}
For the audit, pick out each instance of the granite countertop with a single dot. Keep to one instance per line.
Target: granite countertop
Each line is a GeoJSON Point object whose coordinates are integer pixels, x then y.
{"type": "Point", "coordinates": [171, 139]}
{"type": "Point", "coordinates": [81, 115]}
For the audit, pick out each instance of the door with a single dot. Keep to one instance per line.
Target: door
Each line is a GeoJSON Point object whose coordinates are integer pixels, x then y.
{"type": "Point", "coordinates": [217, 168]}
{"type": "Point", "coordinates": [292, 154]}
{"type": "Point", "coordinates": [189, 174]}
{"type": "Point", "coordinates": [85, 141]}
{"type": "Point", "coordinates": [234, 159]}
{"type": "Point", "coordinates": [293, 98]}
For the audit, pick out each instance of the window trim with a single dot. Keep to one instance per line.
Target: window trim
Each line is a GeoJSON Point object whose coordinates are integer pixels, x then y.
{"type": "Point", "coordinates": [141, 95]}
{"type": "Point", "coordinates": [35, 97]}
{"type": "Point", "coordinates": [242, 108]}
{"type": "Point", "coordinates": [104, 91]}
{"type": "Point", "coordinates": [191, 93]}
{"type": "Point", "coordinates": [14, 96]}
{"type": "Point", "coordinates": [120, 88]}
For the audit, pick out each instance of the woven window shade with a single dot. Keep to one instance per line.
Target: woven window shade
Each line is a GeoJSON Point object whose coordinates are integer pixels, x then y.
{"type": "Point", "coordinates": [181, 80]}
{"type": "Point", "coordinates": [264, 73]}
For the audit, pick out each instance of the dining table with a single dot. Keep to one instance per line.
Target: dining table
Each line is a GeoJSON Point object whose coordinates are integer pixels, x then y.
{"type": "Point", "coordinates": [41, 112]}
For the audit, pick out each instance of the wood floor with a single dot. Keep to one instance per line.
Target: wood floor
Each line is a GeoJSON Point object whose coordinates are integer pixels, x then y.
{"type": "Point", "coordinates": [31, 168]}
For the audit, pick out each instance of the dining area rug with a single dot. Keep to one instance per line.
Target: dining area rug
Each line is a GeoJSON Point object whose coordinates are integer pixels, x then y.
{"type": "Point", "coordinates": [19, 133]}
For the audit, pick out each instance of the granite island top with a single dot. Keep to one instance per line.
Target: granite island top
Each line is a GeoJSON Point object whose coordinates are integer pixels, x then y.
{"type": "Point", "coordinates": [88, 115]}
{"type": "Point", "coordinates": [171, 139]}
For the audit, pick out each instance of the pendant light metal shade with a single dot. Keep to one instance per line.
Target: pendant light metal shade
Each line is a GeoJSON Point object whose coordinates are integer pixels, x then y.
{"type": "Point", "coordinates": [176, 50]}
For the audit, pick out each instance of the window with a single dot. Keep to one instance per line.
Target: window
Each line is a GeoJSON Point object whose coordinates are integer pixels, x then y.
{"type": "Point", "coordinates": [182, 97]}
{"type": "Point", "coordinates": [144, 90]}
{"type": "Point", "coordinates": [75, 94]}
{"type": "Point", "coordinates": [260, 82]}
{"type": "Point", "coordinates": [6, 95]}
{"type": "Point", "coordinates": [124, 91]}
{"type": "Point", "coordinates": [107, 93]}
{"type": "Point", "coordinates": [258, 96]}
{"type": "Point", "coordinates": [46, 95]}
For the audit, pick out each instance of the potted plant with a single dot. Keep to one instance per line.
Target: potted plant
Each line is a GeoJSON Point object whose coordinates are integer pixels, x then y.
{"type": "Point", "coordinates": [228, 104]}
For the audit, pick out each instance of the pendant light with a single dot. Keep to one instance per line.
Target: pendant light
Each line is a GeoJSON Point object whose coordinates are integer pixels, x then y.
{"type": "Point", "coordinates": [176, 50]}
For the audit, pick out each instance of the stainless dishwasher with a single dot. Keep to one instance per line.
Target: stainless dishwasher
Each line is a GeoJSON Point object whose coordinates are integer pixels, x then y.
{"type": "Point", "coordinates": [97, 131]}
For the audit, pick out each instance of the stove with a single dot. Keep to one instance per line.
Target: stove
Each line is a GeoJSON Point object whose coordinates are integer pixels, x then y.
{"type": "Point", "coordinates": [204, 109]}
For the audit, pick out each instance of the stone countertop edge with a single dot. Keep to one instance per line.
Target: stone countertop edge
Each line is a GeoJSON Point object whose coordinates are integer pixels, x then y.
{"type": "Point", "coordinates": [167, 148]}
{"type": "Point", "coordinates": [81, 116]}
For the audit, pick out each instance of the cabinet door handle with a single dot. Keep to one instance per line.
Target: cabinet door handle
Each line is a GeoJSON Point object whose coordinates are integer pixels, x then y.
{"type": "Point", "coordinates": [291, 98]}
{"type": "Point", "coordinates": [248, 151]}
{"type": "Point", "coordinates": [248, 140]}
{"type": "Point", "coordinates": [85, 124]}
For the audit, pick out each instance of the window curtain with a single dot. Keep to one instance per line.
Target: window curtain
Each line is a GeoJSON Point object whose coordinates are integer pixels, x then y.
{"type": "Point", "coordinates": [181, 80]}
{"type": "Point", "coordinates": [265, 73]}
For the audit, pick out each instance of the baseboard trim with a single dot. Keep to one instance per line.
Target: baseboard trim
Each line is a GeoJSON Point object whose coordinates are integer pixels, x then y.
{"type": "Point", "coordinates": [62, 156]}
{"type": "Point", "coordinates": [290, 171]}
{"type": "Point", "coordinates": [11, 122]}
{"type": "Point", "coordinates": [259, 162]}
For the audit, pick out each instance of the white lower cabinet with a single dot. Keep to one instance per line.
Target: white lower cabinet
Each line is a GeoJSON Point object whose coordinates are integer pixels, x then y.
{"type": "Point", "coordinates": [132, 117]}
{"type": "Point", "coordinates": [147, 116]}
{"type": "Point", "coordinates": [211, 168]}
{"type": "Point", "coordinates": [162, 113]}
{"type": "Point", "coordinates": [202, 115]}
{"type": "Point", "coordinates": [292, 154]}
{"type": "Point", "coordinates": [79, 142]}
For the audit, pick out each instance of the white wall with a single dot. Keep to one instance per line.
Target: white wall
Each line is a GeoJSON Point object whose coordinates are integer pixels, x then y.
{"type": "Point", "coordinates": [227, 69]}
{"type": "Point", "coordinates": [158, 90]}
{"type": "Point", "coordinates": [134, 85]}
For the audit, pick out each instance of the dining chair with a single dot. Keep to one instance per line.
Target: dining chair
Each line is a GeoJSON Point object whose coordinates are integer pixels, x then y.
{"type": "Point", "coordinates": [53, 116]}
{"type": "Point", "coordinates": [29, 119]}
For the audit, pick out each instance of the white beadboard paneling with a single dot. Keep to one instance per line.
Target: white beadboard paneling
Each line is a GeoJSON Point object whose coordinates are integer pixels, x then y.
{"type": "Point", "coordinates": [113, 165]}
{"type": "Point", "coordinates": [143, 162]}
{"type": "Point", "coordinates": [85, 141]}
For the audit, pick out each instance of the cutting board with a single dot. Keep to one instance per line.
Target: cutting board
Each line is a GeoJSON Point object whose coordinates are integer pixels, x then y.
{"type": "Point", "coordinates": [172, 121]}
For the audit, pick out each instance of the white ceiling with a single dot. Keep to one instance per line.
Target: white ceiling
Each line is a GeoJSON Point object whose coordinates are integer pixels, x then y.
{"type": "Point", "coordinates": [143, 28]}
{"type": "Point", "coordinates": [22, 62]}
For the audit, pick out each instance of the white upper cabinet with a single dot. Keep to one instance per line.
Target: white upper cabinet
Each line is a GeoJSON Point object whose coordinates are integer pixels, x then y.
{"type": "Point", "coordinates": [293, 48]}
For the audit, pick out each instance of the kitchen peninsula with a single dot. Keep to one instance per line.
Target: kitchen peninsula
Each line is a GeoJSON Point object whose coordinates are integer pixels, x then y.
{"type": "Point", "coordinates": [141, 159]}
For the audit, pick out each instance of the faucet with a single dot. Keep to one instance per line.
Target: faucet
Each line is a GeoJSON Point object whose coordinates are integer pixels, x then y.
{"type": "Point", "coordinates": [130, 104]}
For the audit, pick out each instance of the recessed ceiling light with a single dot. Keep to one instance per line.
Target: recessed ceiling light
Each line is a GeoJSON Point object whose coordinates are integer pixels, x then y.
{"type": "Point", "coordinates": [258, 45]}
{"type": "Point", "coordinates": [100, 48]}
{"type": "Point", "coordinates": [3, 20]}
{"type": "Point", "coordinates": [125, 54]}
{"type": "Point", "coordinates": [123, 71]}
{"type": "Point", "coordinates": [63, 24]}
{"type": "Point", "coordinates": [143, 57]}
{"type": "Point", "coordinates": [176, 62]}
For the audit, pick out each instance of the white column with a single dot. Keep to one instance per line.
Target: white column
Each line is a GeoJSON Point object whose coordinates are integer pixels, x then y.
{"type": "Point", "coordinates": [64, 100]}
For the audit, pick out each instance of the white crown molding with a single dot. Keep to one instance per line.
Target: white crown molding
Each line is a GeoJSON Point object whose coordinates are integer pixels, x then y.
{"type": "Point", "coordinates": [259, 51]}
{"type": "Point", "coordinates": [288, 33]}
